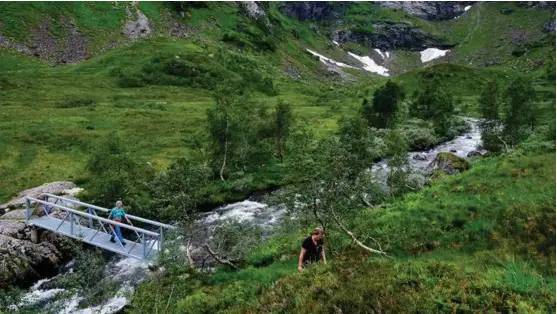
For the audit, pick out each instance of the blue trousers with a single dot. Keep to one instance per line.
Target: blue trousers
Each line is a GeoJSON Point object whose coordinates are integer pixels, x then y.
{"type": "Point", "coordinates": [118, 232]}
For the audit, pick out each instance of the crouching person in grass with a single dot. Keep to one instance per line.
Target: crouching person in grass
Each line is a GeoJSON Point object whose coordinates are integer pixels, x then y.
{"type": "Point", "coordinates": [312, 249]}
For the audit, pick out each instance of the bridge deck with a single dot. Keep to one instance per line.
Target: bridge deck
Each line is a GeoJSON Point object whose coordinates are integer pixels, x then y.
{"type": "Point", "coordinates": [92, 236]}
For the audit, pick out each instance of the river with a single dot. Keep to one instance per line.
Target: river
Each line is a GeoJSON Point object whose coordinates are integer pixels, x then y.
{"type": "Point", "coordinates": [128, 273]}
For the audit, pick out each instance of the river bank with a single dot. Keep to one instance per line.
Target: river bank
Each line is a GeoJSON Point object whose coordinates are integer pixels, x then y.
{"type": "Point", "coordinates": [131, 273]}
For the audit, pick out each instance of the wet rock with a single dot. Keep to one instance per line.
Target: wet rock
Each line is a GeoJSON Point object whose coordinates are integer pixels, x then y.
{"type": "Point", "coordinates": [420, 156]}
{"type": "Point", "coordinates": [474, 153]}
{"type": "Point", "coordinates": [453, 150]}
{"type": "Point", "coordinates": [468, 137]}
{"type": "Point", "coordinates": [25, 258]}
{"type": "Point", "coordinates": [448, 163]}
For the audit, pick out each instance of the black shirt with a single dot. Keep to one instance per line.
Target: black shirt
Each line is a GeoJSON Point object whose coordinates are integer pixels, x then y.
{"type": "Point", "coordinates": [313, 252]}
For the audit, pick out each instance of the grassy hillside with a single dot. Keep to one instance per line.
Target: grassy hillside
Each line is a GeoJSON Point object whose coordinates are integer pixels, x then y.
{"type": "Point", "coordinates": [471, 243]}
{"type": "Point", "coordinates": [155, 92]}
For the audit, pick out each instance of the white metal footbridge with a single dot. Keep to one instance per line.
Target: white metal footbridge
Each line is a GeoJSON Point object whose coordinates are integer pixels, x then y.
{"type": "Point", "coordinates": [85, 225]}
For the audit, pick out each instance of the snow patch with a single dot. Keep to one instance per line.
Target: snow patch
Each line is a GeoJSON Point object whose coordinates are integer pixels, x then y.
{"type": "Point", "coordinates": [326, 60]}
{"type": "Point", "coordinates": [379, 52]}
{"type": "Point", "coordinates": [370, 65]}
{"type": "Point", "coordinates": [432, 53]}
{"type": "Point", "coordinates": [466, 8]}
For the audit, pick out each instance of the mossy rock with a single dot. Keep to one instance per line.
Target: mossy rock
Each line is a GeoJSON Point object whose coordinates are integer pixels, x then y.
{"type": "Point", "coordinates": [448, 163]}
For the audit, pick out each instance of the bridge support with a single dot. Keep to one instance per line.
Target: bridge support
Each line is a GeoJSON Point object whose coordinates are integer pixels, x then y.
{"type": "Point", "coordinates": [34, 235]}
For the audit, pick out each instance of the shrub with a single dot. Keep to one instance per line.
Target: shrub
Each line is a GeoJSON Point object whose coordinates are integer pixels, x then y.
{"type": "Point", "coordinates": [77, 102]}
{"type": "Point", "coordinates": [420, 138]}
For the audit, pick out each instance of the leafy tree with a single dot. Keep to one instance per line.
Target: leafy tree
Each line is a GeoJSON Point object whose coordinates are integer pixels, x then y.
{"type": "Point", "coordinates": [399, 169]}
{"type": "Point", "coordinates": [356, 140]}
{"type": "Point", "coordinates": [176, 192]}
{"type": "Point", "coordinates": [329, 179]}
{"type": "Point", "coordinates": [115, 173]}
{"type": "Point", "coordinates": [520, 110]}
{"type": "Point", "coordinates": [283, 122]}
{"type": "Point", "coordinates": [489, 106]}
{"type": "Point", "coordinates": [434, 103]}
{"type": "Point", "coordinates": [385, 104]}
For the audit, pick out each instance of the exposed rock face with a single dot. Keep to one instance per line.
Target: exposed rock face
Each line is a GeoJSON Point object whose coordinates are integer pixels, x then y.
{"type": "Point", "coordinates": [58, 188]}
{"type": "Point", "coordinates": [22, 262]}
{"type": "Point", "coordinates": [548, 5]}
{"type": "Point", "coordinates": [314, 10]}
{"type": "Point", "coordinates": [333, 70]}
{"type": "Point", "coordinates": [45, 46]}
{"type": "Point", "coordinates": [139, 28]}
{"type": "Point", "coordinates": [390, 37]}
{"type": "Point", "coordinates": [429, 10]}
{"type": "Point", "coordinates": [448, 163]}
{"type": "Point", "coordinates": [549, 27]}
{"type": "Point", "coordinates": [75, 47]}
{"type": "Point", "coordinates": [255, 12]}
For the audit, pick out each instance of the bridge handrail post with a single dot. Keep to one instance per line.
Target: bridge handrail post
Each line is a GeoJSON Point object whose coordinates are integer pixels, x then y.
{"type": "Point", "coordinates": [161, 238]}
{"type": "Point", "coordinates": [144, 245]}
{"type": "Point", "coordinates": [71, 223]}
{"type": "Point", "coordinates": [27, 210]}
{"type": "Point", "coordinates": [89, 211]}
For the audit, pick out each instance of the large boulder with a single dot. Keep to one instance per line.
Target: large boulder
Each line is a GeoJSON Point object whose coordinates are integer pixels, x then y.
{"type": "Point", "coordinates": [448, 163]}
{"type": "Point", "coordinates": [26, 257]}
{"type": "Point", "coordinates": [65, 188]}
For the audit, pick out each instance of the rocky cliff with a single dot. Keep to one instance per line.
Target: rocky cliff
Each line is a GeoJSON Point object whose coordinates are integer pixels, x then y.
{"type": "Point", "coordinates": [24, 259]}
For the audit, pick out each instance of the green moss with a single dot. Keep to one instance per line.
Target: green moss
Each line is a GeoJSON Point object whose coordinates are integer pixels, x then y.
{"type": "Point", "coordinates": [457, 162]}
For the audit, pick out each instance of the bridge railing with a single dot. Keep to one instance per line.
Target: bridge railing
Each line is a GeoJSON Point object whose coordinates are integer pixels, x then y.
{"type": "Point", "coordinates": [146, 238]}
{"type": "Point", "coordinates": [91, 209]}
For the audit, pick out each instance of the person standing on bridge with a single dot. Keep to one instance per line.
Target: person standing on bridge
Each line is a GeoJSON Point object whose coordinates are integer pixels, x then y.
{"type": "Point", "coordinates": [117, 214]}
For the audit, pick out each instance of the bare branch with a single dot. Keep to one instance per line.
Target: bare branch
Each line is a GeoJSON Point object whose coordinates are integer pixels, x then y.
{"type": "Point", "coordinates": [170, 297]}
{"type": "Point", "coordinates": [351, 235]}
{"type": "Point", "coordinates": [217, 258]}
{"type": "Point", "coordinates": [190, 260]}
{"type": "Point", "coordinates": [506, 146]}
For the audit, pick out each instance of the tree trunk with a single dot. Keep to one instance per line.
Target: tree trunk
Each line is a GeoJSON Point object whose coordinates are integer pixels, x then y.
{"type": "Point", "coordinates": [217, 258]}
{"type": "Point", "coordinates": [351, 235]}
{"type": "Point", "coordinates": [225, 149]}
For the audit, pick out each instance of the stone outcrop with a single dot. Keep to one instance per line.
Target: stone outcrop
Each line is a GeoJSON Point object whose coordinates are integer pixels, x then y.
{"type": "Point", "coordinates": [429, 10]}
{"type": "Point", "coordinates": [448, 163]}
{"type": "Point", "coordinates": [549, 26]}
{"type": "Point", "coordinates": [389, 37]}
{"type": "Point", "coordinates": [22, 261]}
{"type": "Point", "coordinates": [69, 189]}
{"type": "Point", "coordinates": [314, 10]}
{"type": "Point", "coordinates": [27, 255]}
{"type": "Point", "coordinates": [547, 5]}
{"type": "Point", "coordinates": [255, 12]}
{"type": "Point", "coordinates": [139, 27]}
